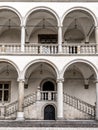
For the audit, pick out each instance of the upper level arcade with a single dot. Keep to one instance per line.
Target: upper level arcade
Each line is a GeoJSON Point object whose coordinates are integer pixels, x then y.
{"type": "Point", "coordinates": [43, 31]}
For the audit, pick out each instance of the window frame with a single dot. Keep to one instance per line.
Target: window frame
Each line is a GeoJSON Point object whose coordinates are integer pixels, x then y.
{"type": "Point", "coordinates": [9, 90]}
{"type": "Point", "coordinates": [48, 38]}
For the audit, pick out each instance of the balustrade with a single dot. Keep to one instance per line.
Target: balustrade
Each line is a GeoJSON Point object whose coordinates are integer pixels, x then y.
{"type": "Point", "coordinates": [79, 104]}
{"type": "Point", "coordinates": [79, 48]}
{"type": "Point", "coordinates": [35, 48]}
{"type": "Point", "coordinates": [10, 48]}
{"type": "Point", "coordinates": [41, 48]}
{"type": "Point", "coordinates": [11, 108]}
{"type": "Point", "coordinates": [48, 95]}
{"type": "Point", "coordinates": [29, 99]}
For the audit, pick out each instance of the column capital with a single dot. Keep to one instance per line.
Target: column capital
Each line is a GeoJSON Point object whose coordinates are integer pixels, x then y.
{"type": "Point", "coordinates": [96, 81]}
{"type": "Point", "coordinates": [22, 26]}
{"type": "Point", "coordinates": [21, 80]}
{"type": "Point", "coordinates": [61, 80]}
{"type": "Point", "coordinates": [96, 27]}
{"type": "Point", "coordinates": [60, 26]}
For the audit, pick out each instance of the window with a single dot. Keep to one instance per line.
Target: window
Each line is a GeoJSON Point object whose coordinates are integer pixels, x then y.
{"type": "Point", "coordinates": [4, 91]}
{"type": "Point", "coordinates": [47, 38]}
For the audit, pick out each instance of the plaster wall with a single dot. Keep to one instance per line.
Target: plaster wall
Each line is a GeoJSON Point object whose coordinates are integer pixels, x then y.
{"type": "Point", "coordinates": [71, 113]}
{"type": "Point", "coordinates": [35, 81]}
{"type": "Point", "coordinates": [10, 36]}
{"type": "Point", "coordinates": [34, 36]}
{"type": "Point", "coordinates": [74, 86]}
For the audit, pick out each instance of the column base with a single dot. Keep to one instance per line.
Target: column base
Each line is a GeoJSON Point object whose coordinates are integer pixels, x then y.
{"type": "Point", "coordinates": [60, 118]}
{"type": "Point", "coordinates": [96, 118]}
{"type": "Point", "coordinates": [20, 116]}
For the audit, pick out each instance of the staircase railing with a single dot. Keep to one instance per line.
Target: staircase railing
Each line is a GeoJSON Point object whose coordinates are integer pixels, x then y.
{"type": "Point", "coordinates": [79, 104]}
{"type": "Point", "coordinates": [13, 107]}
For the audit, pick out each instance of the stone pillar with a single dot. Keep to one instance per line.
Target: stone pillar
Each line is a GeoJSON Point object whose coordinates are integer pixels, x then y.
{"type": "Point", "coordinates": [38, 94]}
{"type": "Point", "coordinates": [87, 39]}
{"type": "Point", "coordinates": [96, 109]}
{"type": "Point", "coordinates": [60, 114]}
{"type": "Point", "coordinates": [96, 38]}
{"type": "Point", "coordinates": [60, 39]}
{"type": "Point", "coordinates": [20, 113]}
{"type": "Point", "coordinates": [22, 38]}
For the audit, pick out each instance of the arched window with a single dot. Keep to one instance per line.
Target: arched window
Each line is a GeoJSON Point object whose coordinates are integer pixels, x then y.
{"type": "Point", "coordinates": [48, 86]}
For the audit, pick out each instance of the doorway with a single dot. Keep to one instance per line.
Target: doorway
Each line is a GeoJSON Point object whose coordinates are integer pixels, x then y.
{"type": "Point", "coordinates": [49, 112]}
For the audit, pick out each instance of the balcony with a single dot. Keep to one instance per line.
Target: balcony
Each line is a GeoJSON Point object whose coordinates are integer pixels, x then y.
{"type": "Point", "coordinates": [48, 49]}
{"type": "Point", "coordinates": [48, 95]}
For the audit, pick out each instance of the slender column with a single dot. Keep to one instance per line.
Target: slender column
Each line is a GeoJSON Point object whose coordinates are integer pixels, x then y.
{"type": "Point", "coordinates": [96, 38]}
{"type": "Point", "coordinates": [96, 112]}
{"type": "Point", "coordinates": [87, 39]}
{"type": "Point", "coordinates": [60, 114]}
{"type": "Point", "coordinates": [60, 39]}
{"type": "Point", "coordinates": [22, 38]}
{"type": "Point", "coordinates": [38, 94]}
{"type": "Point", "coordinates": [20, 113]}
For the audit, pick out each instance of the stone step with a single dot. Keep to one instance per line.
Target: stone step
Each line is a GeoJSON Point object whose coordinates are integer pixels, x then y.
{"type": "Point", "coordinates": [30, 123]}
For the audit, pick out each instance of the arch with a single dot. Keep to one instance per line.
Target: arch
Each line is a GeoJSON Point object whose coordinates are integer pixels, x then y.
{"type": "Point", "coordinates": [49, 112]}
{"type": "Point", "coordinates": [80, 60]}
{"type": "Point", "coordinates": [80, 8]}
{"type": "Point", "coordinates": [12, 63]}
{"type": "Point", "coordinates": [13, 10]}
{"type": "Point", "coordinates": [42, 8]}
{"type": "Point", "coordinates": [40, 60]}
{"type": "Point", "coordinates": [46, 81]}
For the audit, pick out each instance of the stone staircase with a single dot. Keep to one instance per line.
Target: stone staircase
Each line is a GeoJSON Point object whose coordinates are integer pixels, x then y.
{"type": "Point", "coordinates": [54, 124]}
{"type": "Point", "coordinates": [13, 107]}
{"type": "Point", "coordinates": [74, 102]}
{"type": "Point", "coordinates": [80, 105]}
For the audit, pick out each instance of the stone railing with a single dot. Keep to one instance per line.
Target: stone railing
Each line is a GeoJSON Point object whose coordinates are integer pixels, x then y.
{"type": "Point", "coordinates": [79, 48]}
{"type": "Point", "coordinates": [13, 107]}
{"type": "Point", "coordinates": [48, 95]}
{"type": "Point", "coordinates": [41, 48]}
{"type": "Point", "coordinates": [79, 105]}
{"type": "Point", "coordinates": [10, 48]}
{"type": "Point", "coordinates": [48, 49]}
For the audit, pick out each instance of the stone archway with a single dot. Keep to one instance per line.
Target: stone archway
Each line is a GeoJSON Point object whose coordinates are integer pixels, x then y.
{"type": "Point", "coordinates": [10, 20]}
{"type": "Point", "coordinates": [79, 27]}
{"type": "Point", "coordinates": [9, 73]}
{"type": "Point", "coordinates": [79, 85]}
{"type": "Point", "coordinates": [49, 112]}
{"type": "Point", "coordinates": [41, 24]}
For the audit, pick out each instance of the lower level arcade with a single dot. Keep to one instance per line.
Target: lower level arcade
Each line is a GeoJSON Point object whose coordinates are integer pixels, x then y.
{"type": "Point", "coordinates": [43, 95]}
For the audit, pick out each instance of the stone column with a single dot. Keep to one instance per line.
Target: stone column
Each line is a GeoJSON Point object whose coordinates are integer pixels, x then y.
{"type": "Point", "coordinates": [60, 114]}
{"type": "Point", "coordinates": [60, 39]}
{"type": "Point", "coordinates": [20, 113]}
{"type": "Point", "coordinates": [38, 94]}
{"type": "Point", "coordinates": [22, 38]}
{"type": "Point", "coordinates": [96, 109]}
{"type": "Point", "coordinates": [96, 38]}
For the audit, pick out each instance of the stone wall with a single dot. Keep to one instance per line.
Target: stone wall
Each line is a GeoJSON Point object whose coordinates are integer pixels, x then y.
{"type": "Point", "coordinates": [49, 128]}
